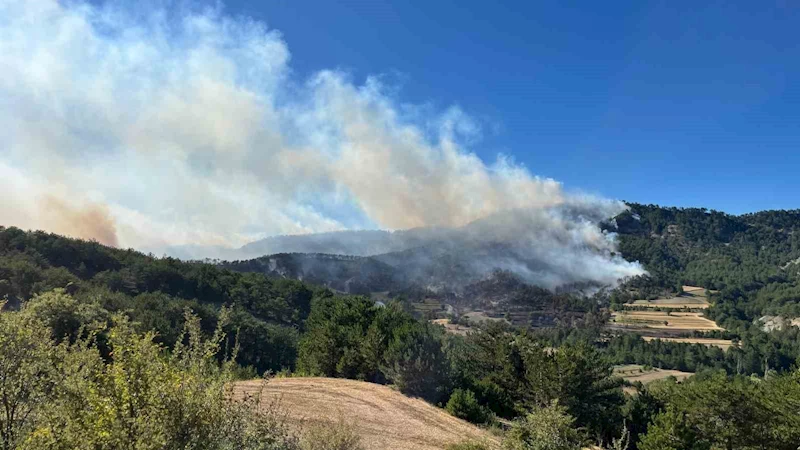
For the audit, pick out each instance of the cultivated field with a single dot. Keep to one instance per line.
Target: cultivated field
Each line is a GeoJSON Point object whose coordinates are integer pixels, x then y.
{"type": "Point", "coordinates": [480, 316]}
{"type": "Point", "coordinates": [429, 306]}
{"type": "Point", "coordinates": [724, 344]}
{"type": "Point", "coordinates": [636, 372]}
{"type": "Point", "coordinates": [662, 320]}
{"type": "Point", "coordinates": [452, 328]}
{"type": "Point", "coordinates": [693, 297]}
{"type": "Point", "coordinates": [681, 302]}
{"type": "Point", "coordinates": [384, 418]}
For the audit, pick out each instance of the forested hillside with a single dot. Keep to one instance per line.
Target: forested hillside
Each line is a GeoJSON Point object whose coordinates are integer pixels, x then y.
{"type": "Point", "coordinates": [751, 259]}
{"type": "Point", "coordinates": [267, 313]}
{"type": "Point", "coordinates": [555, 384]}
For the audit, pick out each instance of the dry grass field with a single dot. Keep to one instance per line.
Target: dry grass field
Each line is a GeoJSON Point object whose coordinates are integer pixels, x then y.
{"type": "Point", "coordinates": [452, 328]}
{"type": "Point", "coordinates": [384, 418]}
{"type": "Point", "coordinates": [663, 320]}
{"type": "Point", "coordinates": [674, 303]}
{"type": "Point", "coordinates": [693, 297]}
{"type": "Point", "coordinates": [429, 306]}
{"type": "Point", "coordinates": [635, 372]}
{"type": "Point", "coordinates": [724, 344]}
{"type": "Point", "coordinates": [480, 316]}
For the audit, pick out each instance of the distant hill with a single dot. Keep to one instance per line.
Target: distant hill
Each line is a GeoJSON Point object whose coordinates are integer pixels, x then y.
{"type": "Point", "coordinates": [552, 248]}
{"type": "Point", "coordinates": [751, 259]}
{"type": "Point", "coordinates": [754, 253]}
{"type": "Point", "coordinates": [355, 242]}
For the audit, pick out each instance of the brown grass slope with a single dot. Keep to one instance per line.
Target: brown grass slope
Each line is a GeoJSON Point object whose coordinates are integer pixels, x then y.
{"type": "Point", "coordinates": [383, 417]}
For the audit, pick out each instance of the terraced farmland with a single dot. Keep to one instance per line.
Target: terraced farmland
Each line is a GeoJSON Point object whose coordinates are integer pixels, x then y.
{"type": "Point", "coordinates": [693, 297]}
{"type": "Point", "coordinates": [638, 373]}
{"type": "Point", "coordinates": [662, 320]}
{"type": "Point", "coordinates": [724, 344]}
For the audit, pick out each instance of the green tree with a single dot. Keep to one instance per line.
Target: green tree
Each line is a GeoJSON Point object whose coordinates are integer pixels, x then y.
{"type": "Point", "coordinates": [65, 316]}
{"type": "Point", "coordinates": [415, 361]}
{"type": "Point", "coordinates": [547, 428]}
{"type": "Point", "coordinates": [670, 430]}
{"type": "Point", "coordinates": [29, 375]}
{"type": "Point", "coordinates": [588, 389]}
{"type": "Point", "coordinates": [332, 344]}
{"type": "Point", "coordinates": [464, 405]}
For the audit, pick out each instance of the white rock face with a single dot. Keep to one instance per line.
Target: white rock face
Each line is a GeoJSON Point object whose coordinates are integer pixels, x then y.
{"type": "Point", "coordinates": [771, 323]}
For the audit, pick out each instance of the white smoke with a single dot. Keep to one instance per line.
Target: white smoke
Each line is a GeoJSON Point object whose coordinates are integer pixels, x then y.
{"type": "Point", "coordinates": [185, 127]}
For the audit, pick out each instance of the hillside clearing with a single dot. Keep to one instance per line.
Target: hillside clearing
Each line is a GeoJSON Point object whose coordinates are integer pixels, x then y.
{"type": "Point", "coordinates": [451, 327]}
{"type": "Point", "coordinates": [635, 372]}
{"type": "Point", "coordinates": [683, 302]}
{"type": "Point", "coordinates": [384, 418]}
{"type": "Point", "coordinates": [724, 344]}
{"type": "Point", "coordinates": [481, 316]}
{"type": "Point", "coordinates": [663, 320]}
{"type": "Point", "coordinates": [693, 289]}
{"type": "Point", "coordinates": [693, 297]}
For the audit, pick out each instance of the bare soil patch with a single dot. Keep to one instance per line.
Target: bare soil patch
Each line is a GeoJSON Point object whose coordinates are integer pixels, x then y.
{"type": "Point", "coordinates": [384, 418]}
{"type": "Point", "coordinates": [689, 289]}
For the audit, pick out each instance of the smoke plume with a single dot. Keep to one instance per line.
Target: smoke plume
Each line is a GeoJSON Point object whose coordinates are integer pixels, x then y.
{"type": "Point", "coordinates": [89, 222]}
{"type": "Point", "coordinates": [155, 126]}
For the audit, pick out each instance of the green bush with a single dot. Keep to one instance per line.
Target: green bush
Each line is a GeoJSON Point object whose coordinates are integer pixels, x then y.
{"type": "Point", "coordinates": [464, 405]}
{"type": "Point", "coordinates": [68, 396]}
{"type": "Point", "coordinates": [327, 436]}
{"type": "Point", "coordinates": [548, 428]}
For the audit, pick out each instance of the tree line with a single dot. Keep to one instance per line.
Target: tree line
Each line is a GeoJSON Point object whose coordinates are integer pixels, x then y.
{"type": "Point", "coordinates": [119, 315]}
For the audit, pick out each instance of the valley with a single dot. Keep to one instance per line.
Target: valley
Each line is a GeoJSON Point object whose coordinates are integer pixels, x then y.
{"type": "Point", "coordinates": [415, 343]}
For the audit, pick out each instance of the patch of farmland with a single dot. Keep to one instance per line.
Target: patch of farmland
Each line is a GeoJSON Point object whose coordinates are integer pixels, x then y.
{"type": "Point", "coordinates": [451, 327]}
{"type": "Point", "coordinates": [673, 303]}
{"type": "Point", "coordinates": [636, 372]}
{"type": "Point", "coordinates": [724, 344]}
{"type": "Point", "coordinates": [693, 289]}
{"type": "Point", "coordinates": [662, 320]}
{"type": "Point", "coordinates": [480, 316]}
{"type": "Point", "coordinates": [384, 418]}
{"type": "Point", "coordinates": [429, 306]}
{"type": "Point", "coordinates": [693, 297]}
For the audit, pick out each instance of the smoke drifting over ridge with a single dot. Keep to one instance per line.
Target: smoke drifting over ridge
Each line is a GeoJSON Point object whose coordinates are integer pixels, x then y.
{"type": "Point", "coordinates": [174, 126]}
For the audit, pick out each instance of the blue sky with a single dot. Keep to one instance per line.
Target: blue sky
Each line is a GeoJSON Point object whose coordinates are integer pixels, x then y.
{"type": "Point", "coordinates": [674, 103]}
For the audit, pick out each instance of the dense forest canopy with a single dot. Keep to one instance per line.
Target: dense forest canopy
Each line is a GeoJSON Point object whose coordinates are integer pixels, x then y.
{"type": "Point", "coordinates": [154, 292]}
{"type": "Point", "coordinates": [752, 259]}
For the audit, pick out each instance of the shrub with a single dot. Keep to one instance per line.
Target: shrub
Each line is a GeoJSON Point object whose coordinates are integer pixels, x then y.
{"type": "Point", "coordinates": [68, 396]}
{"type": "Point", "coordinates": [464, 405]}
{"type": "Point", "coordinates": [548, 428]}
{"type": "Point", "coordinates": [28, 361]}
{"type": "Point", "coordinates": [331, 436]}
